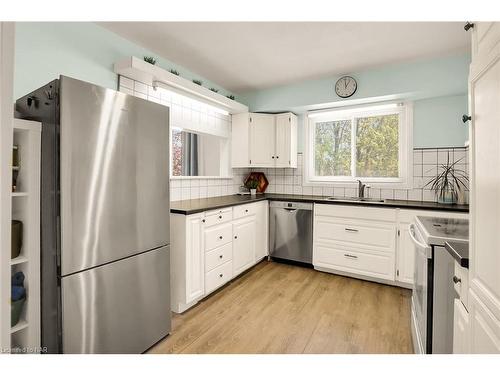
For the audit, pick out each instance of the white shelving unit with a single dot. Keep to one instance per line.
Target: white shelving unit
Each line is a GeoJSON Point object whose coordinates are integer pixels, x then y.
{"type": "Point", "coordinates": [25, 335]}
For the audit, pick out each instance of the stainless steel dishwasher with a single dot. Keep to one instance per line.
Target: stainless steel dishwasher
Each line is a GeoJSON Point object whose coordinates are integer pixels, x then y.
{"type": "Point", "coordinates": [291, 231]}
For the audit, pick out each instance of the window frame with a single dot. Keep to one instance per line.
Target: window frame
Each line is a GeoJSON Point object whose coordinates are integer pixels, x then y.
{"type": "Point", "coordinates": [405, 147]}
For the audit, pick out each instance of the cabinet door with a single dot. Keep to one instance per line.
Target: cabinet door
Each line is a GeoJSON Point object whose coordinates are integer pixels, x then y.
{"type": "Point", "coordinates": [484, 258]}
{"type": "Point", "coordinates": [262, 140]}
{"type": "Point", "coordinates": [195, 258]}
{"type": "Point", "coordinates": [460, 328]}
{"type": "Point", "coordinates": [243, 244]}
{"type": "Point", "coordinates": [286, 140]}
{"type": "Point", "coordinates": [283, 133]}
{"type": "Point", "coordinates": [405, 255]}
{"type": "Point", "coordinates": [262, 230]}
{"type": "Point", "coordinates": [240, 153]}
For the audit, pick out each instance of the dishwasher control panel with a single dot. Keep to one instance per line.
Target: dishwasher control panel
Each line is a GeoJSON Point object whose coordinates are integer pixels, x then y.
{"type": "Point", "coordinates": [291, 205]}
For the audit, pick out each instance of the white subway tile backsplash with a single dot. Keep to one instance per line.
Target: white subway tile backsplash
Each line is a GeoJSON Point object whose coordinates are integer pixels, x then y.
{"type": "Point", "coordinates": [401, 194]}
{"type": "Point", "coordinates": [126, 82]}
{"type": "Point", "coordinates": [386, 194]}
{"type": "Point", "coordinates": [140, 87]}
{"type": "Point", "coordinates": [429, 195]}
{"type": "Point", "coordinates": [430, 157]}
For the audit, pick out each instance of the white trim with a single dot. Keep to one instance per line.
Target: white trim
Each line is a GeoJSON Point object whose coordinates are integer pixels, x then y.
{"type": "Point", "coordinates": [405, 179]}
{"type": "Point", "coordinates": [7, 37]}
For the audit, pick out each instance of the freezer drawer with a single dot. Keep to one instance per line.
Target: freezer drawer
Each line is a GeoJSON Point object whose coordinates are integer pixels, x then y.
{"type": "Point", "coordinates": [121, 307]}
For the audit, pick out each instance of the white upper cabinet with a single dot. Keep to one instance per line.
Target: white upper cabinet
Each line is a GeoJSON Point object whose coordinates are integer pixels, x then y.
{"type": "Point", "coordinates": [286, 140]}
{"type": "Point", "coordinates": [484, 276]}
{"type": "Point", "coordinates": [264, 140]}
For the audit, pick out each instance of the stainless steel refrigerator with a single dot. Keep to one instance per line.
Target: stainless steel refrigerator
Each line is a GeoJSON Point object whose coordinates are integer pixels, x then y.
{"type": "Point", "coordinates": [104, 218]}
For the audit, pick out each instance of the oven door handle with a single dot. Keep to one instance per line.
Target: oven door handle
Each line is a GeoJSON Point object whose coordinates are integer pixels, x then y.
{"type": "Point", "coordinates": [426, 249]}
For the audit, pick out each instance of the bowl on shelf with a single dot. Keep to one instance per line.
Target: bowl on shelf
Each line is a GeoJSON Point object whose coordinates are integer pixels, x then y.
{"type": "Point", "coordinates": [17, 238]}
{"type": "Point", "coordinates": [16, 308]}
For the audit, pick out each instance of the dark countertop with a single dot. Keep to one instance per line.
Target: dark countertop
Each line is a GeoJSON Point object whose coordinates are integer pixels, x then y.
{"type": "Point", "coordinates": [459, 251]}
{"type": "Point", "coordinates": [192, 206]}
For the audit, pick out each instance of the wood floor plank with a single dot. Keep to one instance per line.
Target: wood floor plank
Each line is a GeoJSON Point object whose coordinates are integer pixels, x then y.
{"type": "Point", "coordinates": [280, 308]}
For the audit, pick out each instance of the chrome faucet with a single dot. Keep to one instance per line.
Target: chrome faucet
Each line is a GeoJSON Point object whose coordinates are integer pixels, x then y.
{"type": "Point", "coordinates": [361, 189]}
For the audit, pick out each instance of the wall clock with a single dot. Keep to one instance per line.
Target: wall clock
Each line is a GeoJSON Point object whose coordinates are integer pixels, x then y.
{"type": "Point", "coordinates": [346, 86]}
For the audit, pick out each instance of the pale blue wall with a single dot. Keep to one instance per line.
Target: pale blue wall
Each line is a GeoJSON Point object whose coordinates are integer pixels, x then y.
{"type": "Point", "coordinates": [438, 87]}
{"type": "Point", "coordinates": [81, 50]}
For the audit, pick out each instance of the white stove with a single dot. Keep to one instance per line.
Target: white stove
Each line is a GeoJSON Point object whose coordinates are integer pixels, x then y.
{"type": "Point", "coordinates": [433, 292]}
{"type": "Point", "coordinates": [437, 230]}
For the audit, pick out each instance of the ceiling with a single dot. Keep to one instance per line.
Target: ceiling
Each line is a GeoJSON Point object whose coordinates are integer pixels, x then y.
{"type": "Point", "coordinates": [247, 56]}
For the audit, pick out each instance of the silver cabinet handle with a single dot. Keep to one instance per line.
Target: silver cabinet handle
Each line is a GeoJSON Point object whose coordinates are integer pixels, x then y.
{"type": "Point", "coordinates": [456, 280]}
{"type": "Point", "coordinates": [221, 275]}
{"type": "Point", "coordinates": [351, 256]}
{"type": "Point", "coordinates": [351, 230]}
{"type": "Point", "coordinates": [220, 237]}
{"type": "Point", "coordinates": [220, 256]}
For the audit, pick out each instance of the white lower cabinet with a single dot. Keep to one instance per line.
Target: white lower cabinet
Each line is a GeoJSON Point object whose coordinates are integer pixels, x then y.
{"type": "Point", "coordinates": [358, 241]}
{"type": "Point", "coordinates": [187, 261]}
{"type": "Point", "coordinates": [367, 242]}
{"type": "Point", "coordinates": [244, 239]}
{"type": "Point", "coordinates": [218, 276]}
{"type": "Point", "coordinates": [210, 248]}
{"type": "Point", "coordinates": [262, 230]}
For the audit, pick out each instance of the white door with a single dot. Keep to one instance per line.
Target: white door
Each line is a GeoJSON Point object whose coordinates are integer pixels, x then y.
{"type": "Point", "coordinates": [405, 255]}
{"type": "Point", "coordinates": [484, 279]}
{"type": "Point", "coordinates": [195, 258]}
{"type": "Point", "coordinates": [243, 244]}
{"type": "Point", "coordinates": [460, 328]}
{"type": "Point", "coordinates": [262, 140]}
{"type": "Point", "coordinates": [262, 230]}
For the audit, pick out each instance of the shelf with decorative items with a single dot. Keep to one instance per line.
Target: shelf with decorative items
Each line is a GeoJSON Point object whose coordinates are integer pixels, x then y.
{"type": "Point", "coordinates": [152, 75]}
{"type": "Point", "coordinates": [25, 238]}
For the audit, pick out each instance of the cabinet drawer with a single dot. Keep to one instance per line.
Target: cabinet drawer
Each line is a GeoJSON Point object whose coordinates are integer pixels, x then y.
{"type": "Point", "coordinates": [218, 276]}
{"type": "Point", "coordinates": [354, 212]}
{"type": "Point", "coordinates": [354, 261]}
{"type": "Point", "coordinates": [216, 257]}
{"type": "Point", "coordinates": [218, 236]}
{"type": "Point", "coordinates": [244, 210]}
{"type": "Point", "coordinates": [357, 233]}
{"type": "Point", "coordinates": [218, 217]}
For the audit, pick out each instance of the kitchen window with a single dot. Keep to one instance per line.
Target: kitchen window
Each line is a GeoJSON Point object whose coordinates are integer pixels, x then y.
{"type": "Point", "coordinates": [370, 143]}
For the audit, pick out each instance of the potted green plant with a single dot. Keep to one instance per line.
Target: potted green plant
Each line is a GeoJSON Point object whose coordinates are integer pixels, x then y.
{"type": "Point", "coordinates": [252, 186]}
{"type": "Point", "coordinates": [449, 182]}
{"type": "Point", "coordinates": [198, 82]}
{"type": "Point", "coordinates": [150, 59]}
{"type": "Point", "coordinates": [175, 72]}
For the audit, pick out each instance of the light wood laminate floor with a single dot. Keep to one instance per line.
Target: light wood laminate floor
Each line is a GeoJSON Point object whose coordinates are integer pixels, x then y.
{"type": "Point", "coordinates": [280, 308]}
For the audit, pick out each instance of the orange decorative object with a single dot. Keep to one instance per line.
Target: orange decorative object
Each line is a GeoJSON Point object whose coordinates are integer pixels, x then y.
{"type": "Point", "coordinates": [261, 178]}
